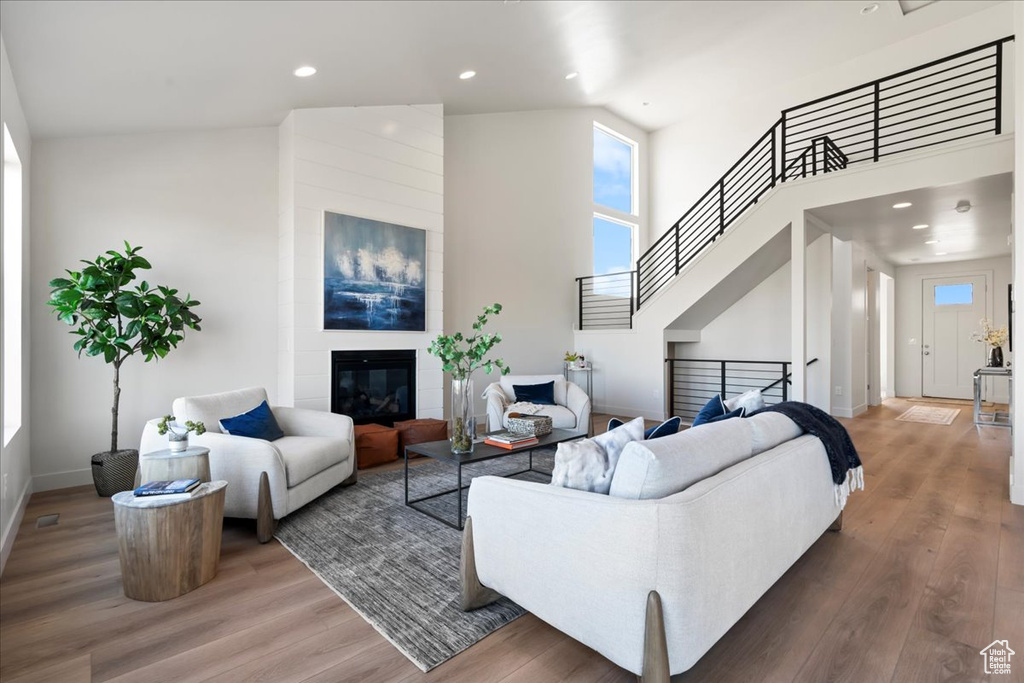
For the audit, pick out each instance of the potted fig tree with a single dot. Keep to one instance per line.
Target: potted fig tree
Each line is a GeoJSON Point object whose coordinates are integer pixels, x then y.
{"type": "Point", "coordinates": [115, 318]}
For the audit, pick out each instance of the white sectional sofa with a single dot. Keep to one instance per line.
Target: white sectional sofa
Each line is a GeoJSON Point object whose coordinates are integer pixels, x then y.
{"type": "Point", "coordinates": [654, 574]}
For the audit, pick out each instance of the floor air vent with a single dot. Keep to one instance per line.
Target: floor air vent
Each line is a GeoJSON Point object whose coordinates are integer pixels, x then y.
{"type": "Point", "coordinates": [46, 520]}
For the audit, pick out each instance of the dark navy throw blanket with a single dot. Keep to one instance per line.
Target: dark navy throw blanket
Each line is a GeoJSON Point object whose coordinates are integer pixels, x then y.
{"type": "Point", "coordinates": [847, 471]}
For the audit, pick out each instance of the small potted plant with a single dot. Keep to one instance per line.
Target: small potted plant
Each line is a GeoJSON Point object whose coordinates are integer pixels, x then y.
{"type": "Point", "coordinates": [575, 361]}
{"type": "Point", "coordinates": [177, 435]}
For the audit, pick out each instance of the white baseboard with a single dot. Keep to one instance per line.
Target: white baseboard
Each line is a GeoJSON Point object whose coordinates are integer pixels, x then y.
{"type": "Point", "coordinates": [850, 412]}
{"type": "Point", "coordinates": [1017, 494]}
{"type": "Point", "coordinates": [11, 531]}
{"type": "Point", "coordinates": [625, 411]}
{"type": "Point", "coordinates": [61, 480]}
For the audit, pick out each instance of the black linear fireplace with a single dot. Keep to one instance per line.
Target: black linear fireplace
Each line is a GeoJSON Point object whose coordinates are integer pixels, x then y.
{"type": "Point", "coordinates": [374, 386]}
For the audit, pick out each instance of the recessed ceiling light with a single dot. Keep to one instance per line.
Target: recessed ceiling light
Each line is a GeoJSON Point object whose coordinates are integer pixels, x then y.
{"type": "Point", "coordinates": [466, 75]}
{"type": "Point", "coordinates": [963, 206]}
{"type": "Point", "coordinates": [942, 253]}
{"type": "Point", "coordinates": [901, 205]}
{"type": "Point", "coordinates": [305, 71]}
{"type": "Point", "coordinates": [920, 227]}
{"type": "Point", "coordinates": [571, 75]}
{"type": "Point", "coordinates": [868, 9]}
{"type": "Point", "coordinates": [932, 242]}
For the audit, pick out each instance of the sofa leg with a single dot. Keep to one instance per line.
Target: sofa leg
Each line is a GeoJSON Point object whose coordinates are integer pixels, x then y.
{"type": "Point", "coordinates": [265, 522]}
{"type": "Point", "coordinates": [655, 645]}
{"type": "Point", "coordinates": [474, 594]}
{"type": "Point", "coordinates": [352, 478]}
{"type": "Point", "coordinates": [838, 524]}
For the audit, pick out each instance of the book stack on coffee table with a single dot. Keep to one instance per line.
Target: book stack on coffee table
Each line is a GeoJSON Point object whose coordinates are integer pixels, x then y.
{"type": "Point", "coordinates": [510, 440]}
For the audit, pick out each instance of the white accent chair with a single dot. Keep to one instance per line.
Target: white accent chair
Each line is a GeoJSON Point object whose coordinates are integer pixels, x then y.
{"type": "Point", "coordinates": [571, 412]}
{"type": "Point", "coordinates": [267, 480]}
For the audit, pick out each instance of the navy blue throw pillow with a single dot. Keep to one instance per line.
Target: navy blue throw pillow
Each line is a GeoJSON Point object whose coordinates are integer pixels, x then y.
{"type": "Point", "coordinates": [258, 423]}
{"type": "Point", "coordinates": [739, 412]}
{"type": "Point", "coordinates": [540, 394]}
{"type": "Point", "coordinates": [712, 409]}
{"type": "Point", "coordinates": [666, 428]}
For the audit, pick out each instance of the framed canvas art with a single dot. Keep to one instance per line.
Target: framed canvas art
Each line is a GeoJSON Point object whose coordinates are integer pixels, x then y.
{"type": "Point", "coordinates": [374, 275]}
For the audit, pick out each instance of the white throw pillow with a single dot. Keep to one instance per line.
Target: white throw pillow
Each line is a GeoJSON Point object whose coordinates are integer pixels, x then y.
{"type": "Point", "coordinates": [588, 465]}
{"type": "Point", "coordinates": [751, 400]}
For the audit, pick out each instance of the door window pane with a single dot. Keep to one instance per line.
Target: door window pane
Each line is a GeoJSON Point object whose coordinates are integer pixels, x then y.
{"type": "Point", "coordinates": [613, 246]}
{"type": "Point", "coordinates": [613, 172]}
{"type": "Point", "coordinates": [954, 295]}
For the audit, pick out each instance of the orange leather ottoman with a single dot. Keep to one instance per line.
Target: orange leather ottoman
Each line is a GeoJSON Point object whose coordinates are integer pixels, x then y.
{"type": "Point", "coordinates": [420, 431]}
{"type": "Point", "coordinates": [375, 445]}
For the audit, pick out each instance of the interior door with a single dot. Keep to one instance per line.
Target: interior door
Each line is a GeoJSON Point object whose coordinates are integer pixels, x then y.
{"type": "Point", "coordinates": [952, 311]}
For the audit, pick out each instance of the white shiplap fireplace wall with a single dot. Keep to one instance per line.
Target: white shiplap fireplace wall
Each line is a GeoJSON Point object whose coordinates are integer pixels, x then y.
{"type": "Point", "coordinates": [382, 163]}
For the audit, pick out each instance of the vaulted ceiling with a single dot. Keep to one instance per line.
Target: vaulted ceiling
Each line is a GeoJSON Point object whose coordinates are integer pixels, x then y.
{"type": "Point", "coordinates": [112, 67]}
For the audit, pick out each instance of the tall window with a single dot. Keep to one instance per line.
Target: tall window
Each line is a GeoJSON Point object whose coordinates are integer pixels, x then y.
{"type": "Point", "coordinates": [616, 206]}
{"type": "Point", "coordinates": [12, 230]}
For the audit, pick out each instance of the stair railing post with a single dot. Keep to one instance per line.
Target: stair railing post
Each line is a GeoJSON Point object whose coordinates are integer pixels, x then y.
{"type": "Point", "coordinates": [671, 387]}
{"type": "Point", "coordinates": [723, 380]}
{"type": "Point", "coordinates": [814, 157]}
{"type": "Point", "coordinates": [771, 172]}
{"type": "Point", "coordinates": [782, 153]}
{"type": "Point", "coordinates": [785, 382]}
{"type": "Point", "coordinates": [878, 114]}
{"type": "Point", "coordinates": [637, 285]}
{"type": "Point", "coordinates": [676, 242]}
{"type": "Point", "coordinates": [579, 281]}
{"type": "Point", "coordinates": [721, 206]}
{"type": "Point", "coordinates": [632, 293]}
{"type": "Point", "coordinates": [999, 88]}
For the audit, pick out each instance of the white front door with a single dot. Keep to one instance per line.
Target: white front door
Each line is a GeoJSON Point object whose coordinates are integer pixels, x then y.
{"type": "Point", "coordinates": [953, 309]}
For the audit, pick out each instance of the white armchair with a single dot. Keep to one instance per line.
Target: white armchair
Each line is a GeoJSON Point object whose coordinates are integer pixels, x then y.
{"type": "Point", "coordinates": [571, 412]}
{"type": "Point", "coordinates": [267, 480]}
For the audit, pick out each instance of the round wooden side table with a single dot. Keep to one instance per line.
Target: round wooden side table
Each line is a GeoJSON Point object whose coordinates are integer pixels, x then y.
{"type": "Point", "coordinates": [169, 547]}
{"type": "Point", "coordinates": [166, 465]}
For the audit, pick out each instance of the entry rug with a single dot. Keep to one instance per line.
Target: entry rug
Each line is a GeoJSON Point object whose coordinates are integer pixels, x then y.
{"type": "Point", "coordinates": [930, 415]}
{"type": "Point", "coordinates": [398, 568]}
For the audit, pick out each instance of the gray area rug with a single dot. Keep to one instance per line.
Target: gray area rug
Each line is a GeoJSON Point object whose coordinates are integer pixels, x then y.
{"type": "Point", "coordinates": [396, 567]}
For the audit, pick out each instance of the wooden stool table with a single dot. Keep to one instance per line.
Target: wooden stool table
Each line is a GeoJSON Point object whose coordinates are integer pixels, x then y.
{"type": "Point", "coordinates": [169, 547]}
{"type": "Point", "coordinates": [167, 465]}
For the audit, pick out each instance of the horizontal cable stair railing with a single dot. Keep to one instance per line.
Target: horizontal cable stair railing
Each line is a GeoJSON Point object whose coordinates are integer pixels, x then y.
{"type": "Point", "coordinates": [606, 301]}
{"type": "Point", "coordinates": [947, 100]}
{"type": "Point", "coordinates": [693, 382]}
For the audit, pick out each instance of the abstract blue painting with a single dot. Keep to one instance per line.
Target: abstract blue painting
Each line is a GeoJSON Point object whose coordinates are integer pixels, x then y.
{"type": "Point", "coordinates": [373, 275]}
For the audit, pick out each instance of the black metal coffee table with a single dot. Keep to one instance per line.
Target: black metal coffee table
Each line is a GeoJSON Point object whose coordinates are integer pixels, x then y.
{"type": "Point", "coordinates": [442, 452]}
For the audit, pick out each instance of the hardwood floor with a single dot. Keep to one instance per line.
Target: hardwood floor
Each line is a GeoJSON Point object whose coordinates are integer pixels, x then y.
{"type": "Point", "coordinates": [928, 570]}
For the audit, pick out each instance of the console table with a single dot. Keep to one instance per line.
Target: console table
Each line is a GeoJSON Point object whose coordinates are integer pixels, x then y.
{"type": "Point", "coordinates": [993, 418]}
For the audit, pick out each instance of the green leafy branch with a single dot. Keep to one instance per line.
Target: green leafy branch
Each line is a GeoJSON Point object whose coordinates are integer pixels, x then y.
{"type": "Point", "coordinates": [461, 355]}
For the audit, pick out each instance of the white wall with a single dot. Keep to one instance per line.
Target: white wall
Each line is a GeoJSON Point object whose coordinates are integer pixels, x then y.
{"type": "Point", "coordinates": [381, 163]}
{"type": "Point", "coordinates": [757, 327]}
{"type": "Point", "coordinates": [202, 206]}
{"type": "Point", "coordinates": [689, 156]}
{"type": "Point", "coordinates": [518, 210]}
{"type": "Point", "coordinates": [851, 263]}
{"type": "Point", "coordinates": [15, 469]}
{"type": "Point", "coordinates": [909, 312]}
{"type": "Point", "coordinates": [1017, 459]}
